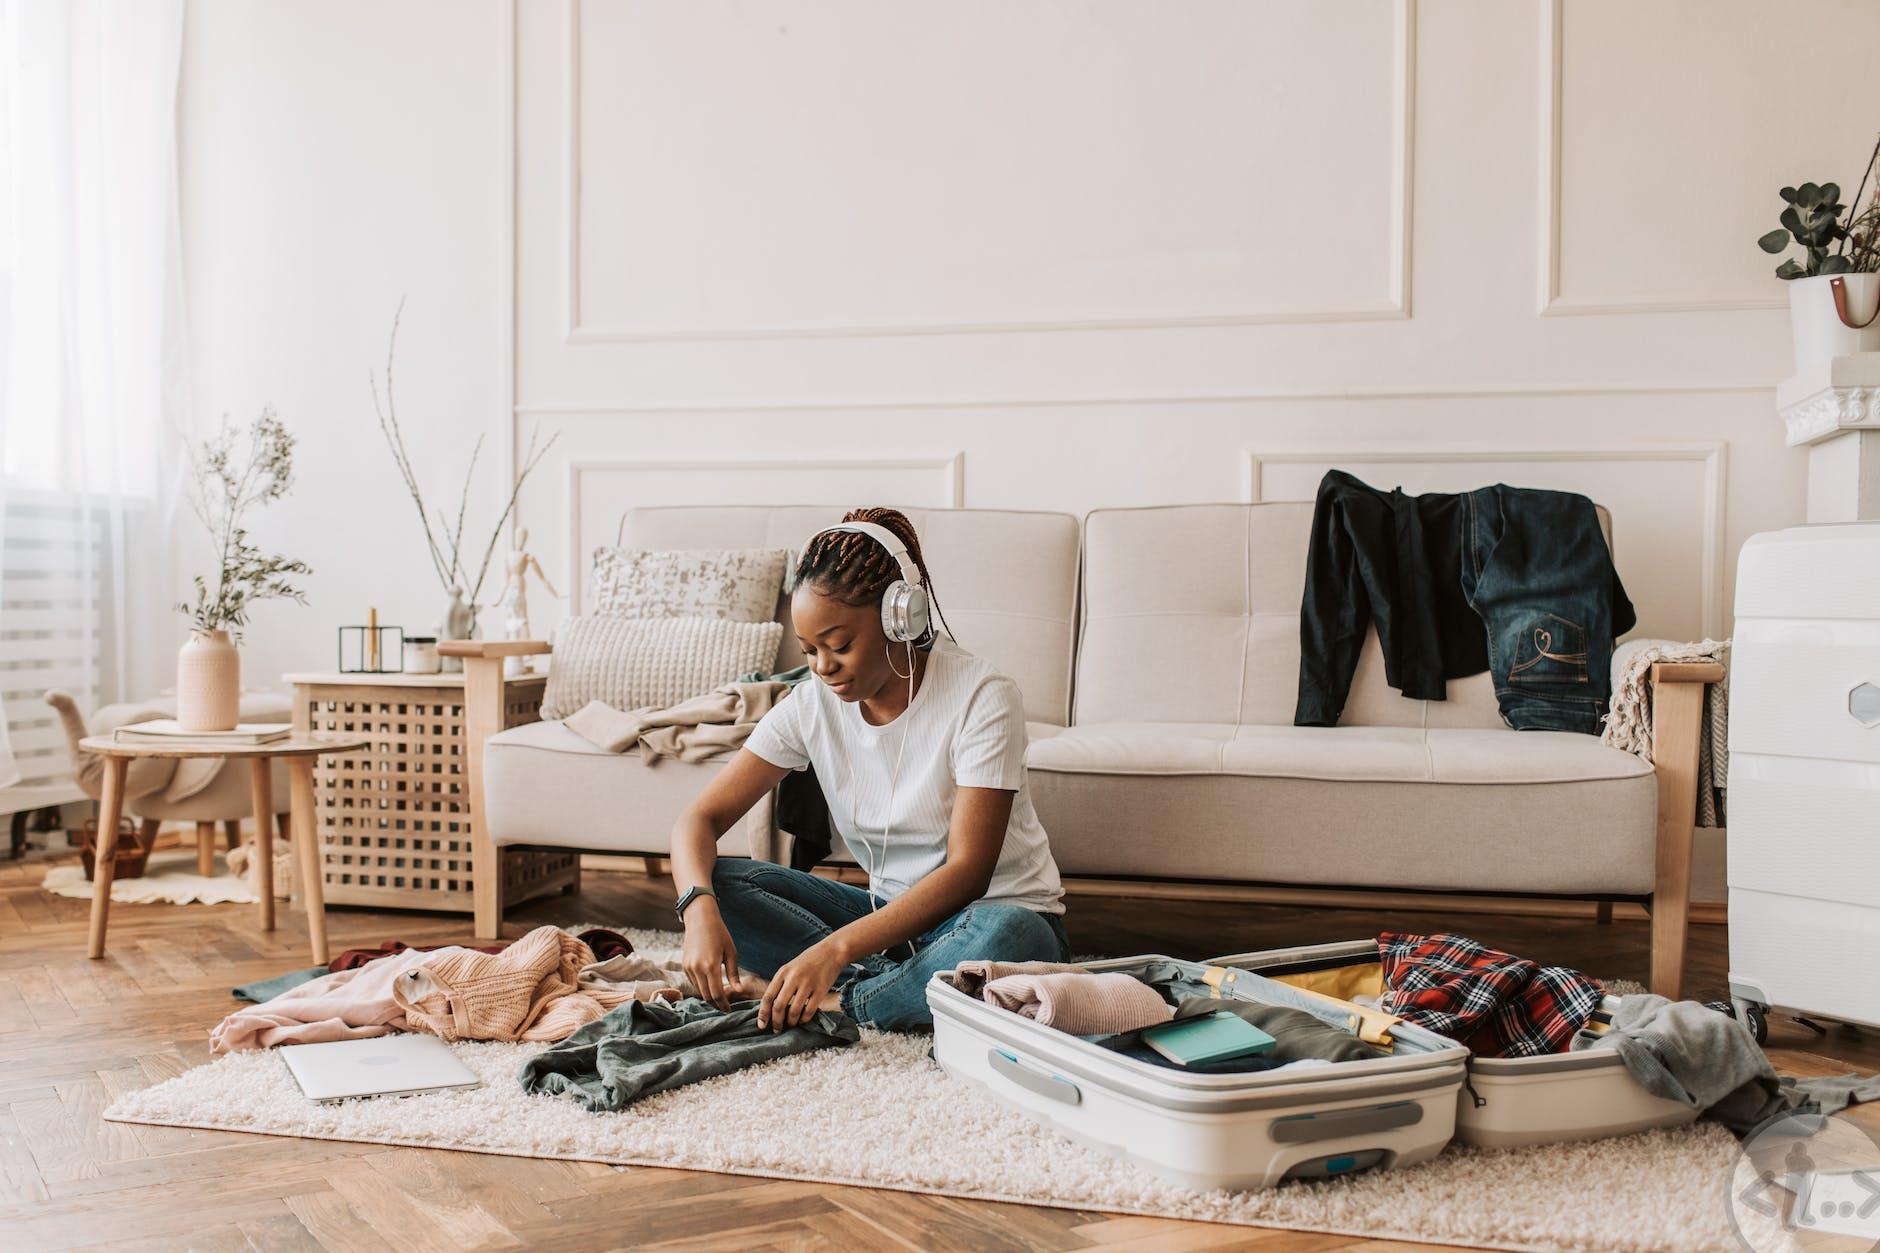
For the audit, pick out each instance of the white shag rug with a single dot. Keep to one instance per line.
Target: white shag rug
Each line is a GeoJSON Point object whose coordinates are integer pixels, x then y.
{"type": "Point", "coordinates": [881, 1114]}
{"type": "Point", "coordinates": [170, 878]}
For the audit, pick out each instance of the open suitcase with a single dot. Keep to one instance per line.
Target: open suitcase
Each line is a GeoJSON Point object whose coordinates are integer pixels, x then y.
{"type": "Point", "coordinates": [1255, 1130]}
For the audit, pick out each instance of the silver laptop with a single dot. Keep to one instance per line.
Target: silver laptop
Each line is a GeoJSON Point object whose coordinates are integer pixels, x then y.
{"type": "Point", "coordinates": [403, 1064]}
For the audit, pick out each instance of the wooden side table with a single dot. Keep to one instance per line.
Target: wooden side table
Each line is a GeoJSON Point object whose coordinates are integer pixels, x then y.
{"type": "Point", "coordinates": [399, 816]}
{"type": "Point", "coordinates": [300, 751]}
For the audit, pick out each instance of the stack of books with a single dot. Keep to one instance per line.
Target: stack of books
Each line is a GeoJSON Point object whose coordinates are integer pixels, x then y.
{"type": "Point", "coordinates": [167, 729]}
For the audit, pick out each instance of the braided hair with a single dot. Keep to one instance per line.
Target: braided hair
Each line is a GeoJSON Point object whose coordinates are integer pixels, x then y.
{"type": "Point", "coordinates": [854, 569]}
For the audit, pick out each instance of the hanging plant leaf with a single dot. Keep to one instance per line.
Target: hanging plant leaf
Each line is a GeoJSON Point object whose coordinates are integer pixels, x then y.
{"type": "Point", "coordinates": [1775, 241]}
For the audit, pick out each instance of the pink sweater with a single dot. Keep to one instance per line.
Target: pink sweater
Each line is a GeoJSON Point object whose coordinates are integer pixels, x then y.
{"type": "Point", "coordinates": [349, 1005]}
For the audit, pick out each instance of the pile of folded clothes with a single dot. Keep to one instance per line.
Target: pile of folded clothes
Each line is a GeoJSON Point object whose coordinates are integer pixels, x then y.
{"type": "Point", "coordinates": [1133, 1012]}
{"type": "Point", "coordinates": [622, 1026]}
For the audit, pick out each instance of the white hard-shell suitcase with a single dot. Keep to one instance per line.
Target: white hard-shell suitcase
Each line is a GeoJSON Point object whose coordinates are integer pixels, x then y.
{"type": "Point", "coordinates": [1804, 778]}
{"type": "Point", "coordinates": [1508, 1101]}
{"type": "Point", "coordinates": [1209, 1130]}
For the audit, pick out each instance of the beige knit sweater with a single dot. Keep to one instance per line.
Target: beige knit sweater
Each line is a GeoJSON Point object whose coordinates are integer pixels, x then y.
{"type": "Point", "coordinates": [532, 990]}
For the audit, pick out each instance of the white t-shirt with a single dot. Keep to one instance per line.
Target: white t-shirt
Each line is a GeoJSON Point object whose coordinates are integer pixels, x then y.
{"type": "Point", "coordinates": [965, 728]}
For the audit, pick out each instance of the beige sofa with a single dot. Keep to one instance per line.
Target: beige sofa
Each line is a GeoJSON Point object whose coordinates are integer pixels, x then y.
{"type": "Point", "coordinates": [1158, 650]}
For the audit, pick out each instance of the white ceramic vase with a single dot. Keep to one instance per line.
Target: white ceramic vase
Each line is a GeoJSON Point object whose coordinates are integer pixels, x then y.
{"type": "Point", "coordinates": [1820, 335]}
{"type": "Point", "coordinates": [208, 683]}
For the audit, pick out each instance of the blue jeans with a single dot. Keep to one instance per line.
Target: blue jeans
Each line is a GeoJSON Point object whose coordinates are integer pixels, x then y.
{"type": "Point", "coordinates": [1535, 566]}
{"type": "Point", "coordinates": [774, 913]}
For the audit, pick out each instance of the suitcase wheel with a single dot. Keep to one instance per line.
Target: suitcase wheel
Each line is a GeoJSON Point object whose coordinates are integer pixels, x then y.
{"type": "Point", "coordinates": [1753, 1016]}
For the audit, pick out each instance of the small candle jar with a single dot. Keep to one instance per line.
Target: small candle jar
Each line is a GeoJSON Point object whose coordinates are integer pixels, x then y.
{"type": "Point", "coordinates": [421, 655]}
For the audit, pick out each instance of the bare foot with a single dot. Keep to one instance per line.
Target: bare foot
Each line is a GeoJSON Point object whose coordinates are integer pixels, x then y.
{"type": "Point", "coordinates": [749, 988]}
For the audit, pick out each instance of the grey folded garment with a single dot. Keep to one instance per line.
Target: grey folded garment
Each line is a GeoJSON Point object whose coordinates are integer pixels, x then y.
{"type": "Point", "coordinates": [715, 724]}
{"type": "Point", "coordinates": [1298, 1035]}
{"type": "Point", "coordinates": [1686, 1052]}
{"type": "Point", "coordinates": [645, 1047]}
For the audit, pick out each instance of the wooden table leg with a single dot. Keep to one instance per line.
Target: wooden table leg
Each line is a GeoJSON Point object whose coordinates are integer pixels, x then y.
{"type": "Point", "coordinates": [261, 795]}
{"type": "Point", "coordinates": [307, 843]}
{"type": "Point", "coordinates": [104, 860]}
{"type": "Point", "coordinates": [205, 849]}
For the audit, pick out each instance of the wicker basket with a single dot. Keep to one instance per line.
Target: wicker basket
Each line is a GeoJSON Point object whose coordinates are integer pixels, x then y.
{"type": "Point", "coordinates": [133, 853]}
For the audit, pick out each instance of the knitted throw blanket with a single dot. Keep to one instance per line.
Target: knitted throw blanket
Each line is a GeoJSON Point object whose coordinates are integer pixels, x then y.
{"type": "Point", "coordinates": [532, 990]}
{"type": "Point", "coordinates": [1629, 724]}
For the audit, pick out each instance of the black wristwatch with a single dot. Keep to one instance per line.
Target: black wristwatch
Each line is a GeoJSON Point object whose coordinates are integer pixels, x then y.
{"type": "Point", "coordinates": [691, 894]}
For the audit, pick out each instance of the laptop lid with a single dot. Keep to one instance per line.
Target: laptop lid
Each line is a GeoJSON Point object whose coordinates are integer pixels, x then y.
{"type": "Point", "coordinates": [391, 1065]}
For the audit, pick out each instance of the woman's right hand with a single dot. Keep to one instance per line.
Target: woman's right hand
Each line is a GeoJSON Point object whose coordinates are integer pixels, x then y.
{"type": "Point", "coordinates": [709, 958]}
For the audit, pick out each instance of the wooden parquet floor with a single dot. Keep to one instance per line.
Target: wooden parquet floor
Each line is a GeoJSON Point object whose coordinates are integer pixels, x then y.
{"type": "Point", "coordinates": [75, 1033]}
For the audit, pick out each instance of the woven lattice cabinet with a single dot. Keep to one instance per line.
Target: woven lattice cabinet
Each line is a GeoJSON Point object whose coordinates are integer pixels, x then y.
{"type": "Point", "coordinates": [396, 817]}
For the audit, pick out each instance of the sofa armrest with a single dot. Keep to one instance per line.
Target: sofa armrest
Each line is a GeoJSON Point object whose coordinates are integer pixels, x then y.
{"type": "Point", "coordinates": [484, 703]}
{"type": "Point", "coordinates": [1677, 727]}
{"type": "Point", "coordinates": [493, 648]}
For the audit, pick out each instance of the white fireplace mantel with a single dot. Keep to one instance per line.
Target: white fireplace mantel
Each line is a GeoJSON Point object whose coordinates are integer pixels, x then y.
{"type": "Point", "coordinates": [1834, 412]}
{"type": "Point", "coordinates": [1845, 396]}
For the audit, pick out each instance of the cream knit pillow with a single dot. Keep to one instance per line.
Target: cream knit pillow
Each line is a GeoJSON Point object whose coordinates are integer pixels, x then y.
{"type": "Point", "coordinates": [632, 663]}
{"type": "Point", "coordinates": [737, 583]}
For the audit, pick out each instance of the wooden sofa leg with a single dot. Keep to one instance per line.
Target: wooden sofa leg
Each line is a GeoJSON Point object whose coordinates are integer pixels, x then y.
{"type": "Point", "coordinates": [1677, 717]}
{"type": "Point", "coordinates": [1602, 913]}
{"type": "Point", "coordinates": [483, 717]}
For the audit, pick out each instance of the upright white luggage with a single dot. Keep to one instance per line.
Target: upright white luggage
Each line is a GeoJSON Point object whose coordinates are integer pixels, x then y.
{"type": "Point", "coordinates": [1804, 778]}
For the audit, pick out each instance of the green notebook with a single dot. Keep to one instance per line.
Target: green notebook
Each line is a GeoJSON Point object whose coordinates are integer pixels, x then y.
{"type": "Point", "coordinates": [1214, 1037]}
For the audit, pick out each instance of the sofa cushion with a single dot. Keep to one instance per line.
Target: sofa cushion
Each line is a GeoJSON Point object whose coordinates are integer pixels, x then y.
{"type": "Point", "coordinates": [543, 784]}
{"type": "Point", "coordinates": [637, 663]}
{"type": "Point", "coordinates": [1379, 807]}
{"type": "Point", "coordinates": [1191, 614]}
{"type": "Point", "coordinates": [736, 583]}
{"type": "Point", "coordinates": [1360, 754]}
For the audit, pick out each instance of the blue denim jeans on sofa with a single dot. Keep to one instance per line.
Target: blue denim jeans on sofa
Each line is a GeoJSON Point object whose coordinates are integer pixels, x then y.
{"type": "Point", "coordinates": [774, 913]}
{"type": "Point", "coordinates": [1536, 567]}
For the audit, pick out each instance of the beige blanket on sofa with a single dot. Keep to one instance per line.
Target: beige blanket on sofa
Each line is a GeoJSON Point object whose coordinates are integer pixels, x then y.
{"type": "Point", "coordinates": [715, 724]}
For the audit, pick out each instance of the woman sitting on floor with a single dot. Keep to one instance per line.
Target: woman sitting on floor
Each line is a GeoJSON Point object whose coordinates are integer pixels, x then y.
{"type": "Point", "coordinates": [919, 747]}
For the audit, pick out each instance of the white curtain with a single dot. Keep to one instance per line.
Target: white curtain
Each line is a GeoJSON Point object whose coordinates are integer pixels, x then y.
{"type": "Point", "coordinates": [92, 356]}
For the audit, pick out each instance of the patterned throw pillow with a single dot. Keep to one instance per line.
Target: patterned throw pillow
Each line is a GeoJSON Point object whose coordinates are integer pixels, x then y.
{"type": "Point", "coordinates": [632, 663]}
{"type": "Point", "coordinates": [736, 583]}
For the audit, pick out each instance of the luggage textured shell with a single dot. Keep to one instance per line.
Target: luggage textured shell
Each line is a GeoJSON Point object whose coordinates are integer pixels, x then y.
{"type": "Point", "coordinates": [1509, 1101]}
{"type": "Point", "coordinates": [1804, 779]}
{"type": "Point", "coordinates": [1210, 1131]}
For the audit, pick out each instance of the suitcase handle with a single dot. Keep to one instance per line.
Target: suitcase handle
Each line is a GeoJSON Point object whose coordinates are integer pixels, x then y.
{"type": "Point", "coordinates": [1304, 1128]}
{"type": "Point", "coordinates": [1038, 1081]}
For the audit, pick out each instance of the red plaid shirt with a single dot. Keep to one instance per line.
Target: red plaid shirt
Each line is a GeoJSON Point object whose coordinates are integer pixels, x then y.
{"type": "Point", "coordinates": [1497, 1005]}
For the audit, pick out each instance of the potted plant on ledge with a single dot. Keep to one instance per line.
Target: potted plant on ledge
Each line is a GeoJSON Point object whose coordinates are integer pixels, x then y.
{"type": "Point", "coordinates": [1834, 290]}
{"type": "Point", "coordinates": [222, 490]}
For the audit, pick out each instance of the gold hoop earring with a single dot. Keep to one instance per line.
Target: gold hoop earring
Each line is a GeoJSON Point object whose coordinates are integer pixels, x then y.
{"type": "Point", "coordinates": [888, 648]}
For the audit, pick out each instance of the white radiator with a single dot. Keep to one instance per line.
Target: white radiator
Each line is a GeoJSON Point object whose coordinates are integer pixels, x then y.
{"type": "Point", "coordinates": [54, 628]}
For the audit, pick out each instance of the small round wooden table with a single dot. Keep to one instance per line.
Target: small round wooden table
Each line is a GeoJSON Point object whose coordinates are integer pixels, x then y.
{"type": "Point", "coordinates": [300, 752]}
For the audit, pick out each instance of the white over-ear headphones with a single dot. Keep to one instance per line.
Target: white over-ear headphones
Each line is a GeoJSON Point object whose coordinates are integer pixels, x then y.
{"type": "Point", "coordinates": [904, 613]}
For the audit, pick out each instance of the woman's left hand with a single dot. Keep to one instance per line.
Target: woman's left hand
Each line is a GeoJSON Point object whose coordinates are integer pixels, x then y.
{"type": "Point", "coordinates": [796, 991]}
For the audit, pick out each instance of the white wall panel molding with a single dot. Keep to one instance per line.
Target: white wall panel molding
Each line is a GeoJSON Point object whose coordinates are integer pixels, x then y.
{"type": "Point", "coordinates": [1553, 17]}
{"type": "Point", "coordinates": [1434, 391]}
{"type": "Point", "coordinates": [599, 492]}
{"type": "Point", "coordinates": [1644, 544]}
{"type": "Point", "coordinates": [1396, 281]}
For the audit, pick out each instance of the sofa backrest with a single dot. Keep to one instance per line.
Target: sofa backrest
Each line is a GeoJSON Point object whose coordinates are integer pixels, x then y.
{"type": "Point", "coordinates": [1191, 614]}
{"type": "Point", "coordinates": [1007, 579]}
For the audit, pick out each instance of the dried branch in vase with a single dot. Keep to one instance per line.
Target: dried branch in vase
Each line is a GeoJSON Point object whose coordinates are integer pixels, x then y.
{"type": "Point", "coordinates": [223, 487]}
{"type": "Point", "coordinates": [443, 540]}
